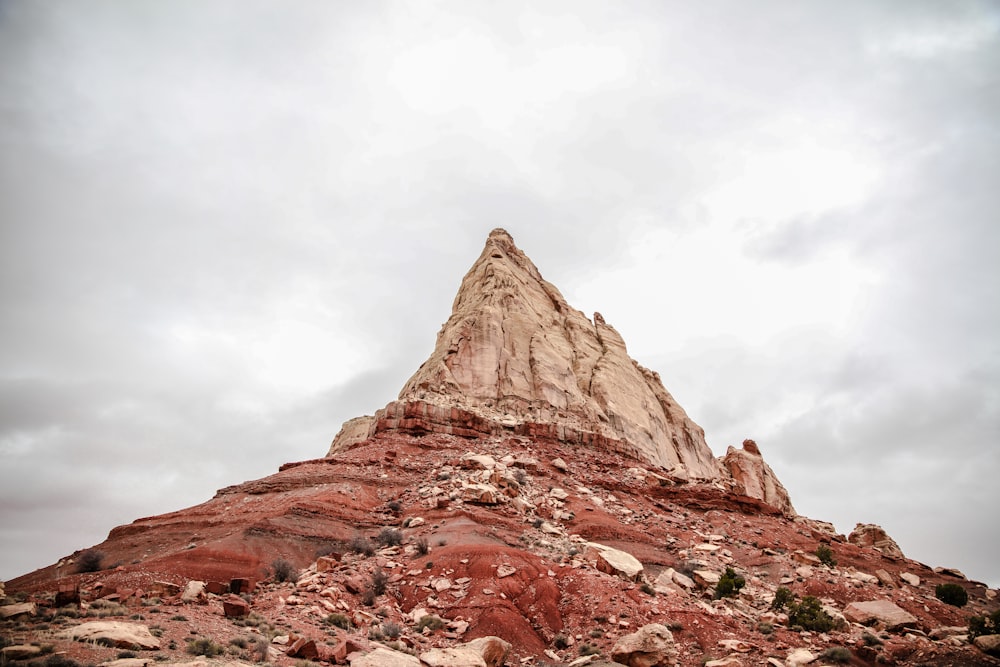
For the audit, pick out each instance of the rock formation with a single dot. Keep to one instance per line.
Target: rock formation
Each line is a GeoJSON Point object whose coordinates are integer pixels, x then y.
{"type": "Point", "coordinates": [754, 478]}
{"type": "Point", "coordinates": [533, 496]}
{"type": "Point", "coordinates": [872, 535]}
{"type": "Point", "coordinates": [514, 357]}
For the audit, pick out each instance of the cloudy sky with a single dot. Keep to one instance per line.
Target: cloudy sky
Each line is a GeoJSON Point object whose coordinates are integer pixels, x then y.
{"type": "Point", "coordinates": [226, 227]}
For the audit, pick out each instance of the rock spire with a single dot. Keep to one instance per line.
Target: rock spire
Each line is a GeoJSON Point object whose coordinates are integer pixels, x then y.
{"type": "Point", "coordinates": [515, 357]}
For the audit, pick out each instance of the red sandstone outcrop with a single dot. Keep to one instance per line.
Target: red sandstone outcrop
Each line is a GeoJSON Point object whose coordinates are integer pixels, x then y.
{"type": "Point", "coordinates": [754, 478]}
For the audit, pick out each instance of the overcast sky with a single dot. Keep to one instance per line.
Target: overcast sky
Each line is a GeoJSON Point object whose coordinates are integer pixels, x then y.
{"type": "Point", "coordinates": [227, 227]}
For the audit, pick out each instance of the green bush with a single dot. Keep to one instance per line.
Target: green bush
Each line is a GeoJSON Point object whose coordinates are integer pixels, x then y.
{"type": "Point", "coordinates": [952, 594]}
{"type": "Point", "coordinates": [808, 614]}
{"type": "Point", "coordinates": [341, 621]}
{"type": "Point", "coordinates": [825, 555]}
{"type": "Point", "coordinates": [984, 625]}
{"type": "Point", "coordinates": [729, 584]}
{"type": "Point", "coordinates": [389, 537]}
{"type": "Point", "coordinates": [782, 597]}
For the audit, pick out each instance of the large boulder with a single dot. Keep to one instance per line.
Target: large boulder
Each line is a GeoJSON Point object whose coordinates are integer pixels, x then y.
{"type": "Point", "coordinates": [651, 646]}
{"type": "Point", "coordinates": [613, 561]}
{"type": "Point", "coordinates": [988, 644]}
{"type": "Point", "coordinates": [885, 612]}
{"type": "Point", "coordinates": [114, 633]}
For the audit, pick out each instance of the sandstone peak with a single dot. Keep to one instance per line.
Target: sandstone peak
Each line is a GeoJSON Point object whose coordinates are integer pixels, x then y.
{"type": "Point", "coordinates": [515, 356]}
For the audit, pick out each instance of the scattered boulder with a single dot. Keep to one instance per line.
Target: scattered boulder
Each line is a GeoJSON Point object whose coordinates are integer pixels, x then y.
{"type": "Point", "coordinates": [481, 494]}
{"type": "Point", "coordinates": [303, 648]}
{"type": "Point", "coordinates": [911, 579]}
{"type": "Point", "coordinates": [385, 657]}
{"type": "Point", "coordinates": [67, 593]}
{"type": "Point", "coordinates": [235, 607]}
{"type": "Point", "coordinates": [613, 561]}
{"type": "Point", "coordinates": [19, 652]}
{"type": "Point", "coordinates": [114, 633]}
{"type": "Point", "coordinates": [798, 657]}
{"type": "Point", "coordinates": [193, 592]}
{"type": "Point", "coordinates": [16, 610]}
{"type": "Point", "coordinates": [885, 578]}
{"type": "Point", "coordinates": [989, 644]}
{"type": "Point", "coordinates": [164, 589]}
{"type": "Point", "coordinates": [651, 646]}
{"type": "Point", "coordinates": [560, 465]}
{"type": "Point", "coordinates": [885, 612]}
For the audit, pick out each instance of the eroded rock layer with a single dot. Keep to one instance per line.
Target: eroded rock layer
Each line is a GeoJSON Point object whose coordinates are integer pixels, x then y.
{"type": "Point", "coordinates": [515, 356]}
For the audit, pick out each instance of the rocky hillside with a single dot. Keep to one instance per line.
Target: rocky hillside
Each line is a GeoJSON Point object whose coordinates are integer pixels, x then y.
{"type": "Point", "coordinates": [533, 496]}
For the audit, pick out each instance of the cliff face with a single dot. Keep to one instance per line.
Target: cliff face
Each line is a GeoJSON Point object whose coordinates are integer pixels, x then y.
{"type": "Point", "coordinates": [515, 355]}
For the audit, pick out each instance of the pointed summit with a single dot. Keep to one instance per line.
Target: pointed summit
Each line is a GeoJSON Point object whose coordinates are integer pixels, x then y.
{"type": "Point", "coordinates": [515, 357]}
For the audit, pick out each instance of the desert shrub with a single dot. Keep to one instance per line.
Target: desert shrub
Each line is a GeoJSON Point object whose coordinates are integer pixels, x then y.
{"type": "Point", "coordinates": [238, 642]}
{"type": "Point", "coordinates": [284, 571]}
{"type": "Point", "coordinates": [389, 537]}
{"type": "Point", "coordinates": [871, 640]}
{"type": "Point", "coordinates": [782, 597]}
{"type": "Point", "coordinates": [379, 581]}
{"type": "Point", "coordinates": [362, 545]}
{"type": "Point", "coordinates": [178, 617]}
{"type": "Point", "coordinates": [808, 614]}
{"type": "Point", "coordinates": [729, 584]}
{"type": "Point", "coordinates": [90, 561]}
{"type": "Point", "coordinates": [260, 649]}
{"type": "Point", "coordinates": [204, 646]}
{"type": "Point", "coordinates": [596, 633]}
{"type": "Point", "coordinates": [368, 597]}
{"type": "Point", "coordinates": [520, 476]}
{"type": "Point", "coordinates": [560, 642]}
{"type": "Point", "coordinates": [825, 555]}
{"type": "Point", "coordinates": [952, 594]}
{"type": "Point", "coordinates": [431, 622]}
{"type": "Point", "coordinates": [423, 548]}
{"type": "Point", "coordinates": [392, 630]}
{"type": "Point", "coordinates": [57, 660]}
{"type": "Point", "coordinates": [765, 628]}
{"type": "Point", "coordinates": [122, 655]}
{"type": "Point", "coordinates": [588, 649]}
{"type": "Point", "coordinates": [984, 625]}
{"type": "Point", "coordinates": [648, 589]}
{"type": "Point", "coordinates": [395, 506]}
{"type": "Point", "coordinates": [341, 621]}
{"type": "Point", "coordinates": [837, 654]}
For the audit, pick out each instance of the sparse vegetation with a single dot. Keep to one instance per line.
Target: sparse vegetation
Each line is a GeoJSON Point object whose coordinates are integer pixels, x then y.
{"type": "Point", "coordinates": [596, 633]}
{"type": "Point", "coordinates": [765, 628]}
{"type": "Point", "coordinates": [379, 581]}
{"type": "Point", "coordinates": [782, 597]}
{"type": "Point", "coordinates": [825, 555]}
{"type": "Point", "coordinates": [729, 584]}
{"type": "Point", "coordinates": [560, 642]}
{"type": "Point", "coordinates": [91, 560]}
{"type": "Point", "coordinates": [260, 649]}
{"type": "Point", "coordinates": [179, 617]}
{"type": "Point", "coordinates": [389, 537]}
{"type": "Point", "coordinates": [808, 614]}
{"type": "Point", "coordinates": [284, 571]}
{"type": "Point", "coordinates": [984, 625]}
{"type": "Point", "coordinates": [362, 545]}
{"type": "Point", "coordinates": [122, 655]}
{"type": "Point", "coordinates": [648, 589]}
{"type": "Point", "coordinates": [520, 476]}
{"type": "Point", "coordinates": [341, 621]}
{"type": "Point", "coordinates": [431, 621]}
{"type": "Point", "coordinates": [392, 630]}
{"type": "Point", "coordinates": [588, 649]}
{"type": "Point", "coordinates": [837, 654]}
{"type": "Point", "coordinates": [952, 594]}
{"type": "Point", "coordinates": [871, 640]}
{"type": "Point", "coordinates": [206, 647]}
{"type": "Point", "coordinates": [423, 548]}
{"type": "Point", "coordinates": [395, 506]}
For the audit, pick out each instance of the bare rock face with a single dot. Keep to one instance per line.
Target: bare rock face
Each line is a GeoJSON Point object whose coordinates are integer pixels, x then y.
{"type": "Point", "coordinates": [754, 478]}
{"type": "Point", "coordinates": [515, 357]}
{"type": "Point", "coordinates": [872, 535]}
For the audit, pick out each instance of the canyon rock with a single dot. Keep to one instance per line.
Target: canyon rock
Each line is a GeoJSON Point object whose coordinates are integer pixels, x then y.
{"type": "Point", "coordinates": [754, 478]}
{"type": "Point", "coordinates": [879, 611]}
{"type": "Point", "coordinates": [114, 633]}
{"type": "Point", "coordinates": [872, 535]}
{"type": "Point", "coordinates": [651, 646]}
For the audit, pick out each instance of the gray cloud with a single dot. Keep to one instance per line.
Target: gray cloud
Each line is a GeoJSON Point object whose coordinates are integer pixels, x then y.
{"type": "Point", "coordinates": [225, 228]}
